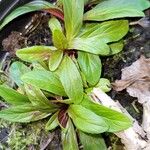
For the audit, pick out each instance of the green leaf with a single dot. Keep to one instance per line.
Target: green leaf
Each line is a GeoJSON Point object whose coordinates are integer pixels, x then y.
{"type": "Point", "coordinates": [83, 79]}
{"type": "Point", "coordinates": [59, 40]}
{"type": "Point", "coordinates": [92, 141]}
{"type": "Point", "coordinates": [16, 70]}
{"type": "Point", "coordinates": [115, 121]}
{"type": "Point", "coordinates": [52, 123]}
{"type": "Point", "coordinates": [55, 60]}
{"type": "Point", "coordinates": [90, 65]}
{"type": "Point", "coordinates": [37, 66]}
{"type": "Point", "coordinates": [117, 9]}
{"type": "Point", "coordinates": [68, 136]}
{"type": "Point", "coordinates": [35, 53]}
{"type": "Point", "coordinates": [54, 24]}
{"type": "Point", "coordinates": [58, 36]}
{"type": "Point", "coordinates": [86, 1]}
{"type": "Point", "coordinates": [93, 37]}
{"type": "Point", "coordinates": [86, 120]}
{"type": "Point", "coordinates": [44, 80]}
{"type": "Point", "coordinates": [73, 17]}
{"type": "Point", "coordinates": [92, 45]}
{"type": "Point", "coordinates": [71, 79]}
{"type": "Point", "coordinates": [13, 97]}
{"type": "Point", "coordinates": [104, 85]}
{"type": "Point", "coordinates": [30, 7]}
{"type": "Point", "coordinates": [22, 113]}
{"type": "Point", "coordinates": [39, 100]}
{"type": "Point", "coordinates": [116, 47]}
{"type": "Point", "coordinates": [108, 31]}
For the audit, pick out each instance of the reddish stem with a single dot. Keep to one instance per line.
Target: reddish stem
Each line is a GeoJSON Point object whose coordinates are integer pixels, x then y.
{"type": "Point", "coordinates": [56, 12]}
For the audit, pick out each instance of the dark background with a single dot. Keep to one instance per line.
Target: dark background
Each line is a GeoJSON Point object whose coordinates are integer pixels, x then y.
{"type": "Point", "coordinates": [6, 6]}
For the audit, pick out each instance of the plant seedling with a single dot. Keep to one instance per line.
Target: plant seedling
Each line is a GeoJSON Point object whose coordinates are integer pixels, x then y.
{"type": "Point", "coordinates": [63, 73]}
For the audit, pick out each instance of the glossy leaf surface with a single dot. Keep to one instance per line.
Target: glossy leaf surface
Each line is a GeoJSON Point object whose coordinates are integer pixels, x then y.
{"type": "Point", "coordinates": [44, 80]}
{"type": "Point", "coordinates": [35, 53]}
{"type": "Point", "coordinates": [86, 120]}
{"type": "Point", "coordinates": [12, 96]}
{"type": "Point", "coordinates": [90, 65]}
{"type": "Point", "coordinates": [68, 136]}
{"type": "Point", "coordinates": [92, 141]}
{"type": "Point", "coordinates": [55, 60]}
{"type": "Point", "coordinates": [90, 45]}
{"type": "Point", "coordinates": [73, 16]}
{"type": "Point", "coordinates": [108, 31]}
{"type": "Point", "coordinates": [54, 24]}
{"type": "Point", "coordinates": [22, 113]}
{"type": "Point", "coordinates": [59, 40]}
{"type": "Point", "coordinates": [52, 123]}
{"type": "Point", "coordinates": [116, 121]}
{"type": "Point", "coordinates": [39, 100]}
{"type": "Point", "coordinates": [71, 79]}
{"type": "Point", "coordinates": [111, 9]}
{"type": "Point", "coordinates": [30, 7]}
{"type": "Point", "coordinates": [93, 37]}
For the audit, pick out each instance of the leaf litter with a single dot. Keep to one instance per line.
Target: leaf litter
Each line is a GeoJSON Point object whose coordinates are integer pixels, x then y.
{"type": "Point", "coordinates": [136, 80]}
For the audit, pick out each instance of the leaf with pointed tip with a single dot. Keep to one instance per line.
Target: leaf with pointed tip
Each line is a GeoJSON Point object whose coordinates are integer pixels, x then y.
{"type": "Point", "coordinates": [52, 123]}
{"type": "Point", "coordinates": [12, 96]}
{"type": "Point", "coordinates": [54, 24]}
{"type": "Point", "coordinates": [92, 141]}
{"type": "Point", "coordinates": [59, 40]}
{"type": "Point", "coordinates": [73, 17]}
{"type": "Point", "coordinates": [22, 113]}
{"type": "Point", "coordinates": [111, 9]}
{"type": "Point", "coordinates": [58, 36]}
{"type": "Point", "coordinates": [71, 79]}
{"type": "Point", "coordinates": [104, 85]}
{"type": "Point", "coordinates": [16, 70]}
{"type": "Point", "coordinates": [44, 80]}
{"type": "Point", "coordinates": [55, 60]}
{"type": "Point", "coordinates": [108, 31]}
{"type": "Point", "coordinates": [68, 136]}
{"type": "Point", "coordinates": [115, 121]}
{"type": "Point", "coordinates": [90, 65]}
{"type": "Point", "coordinates": [39, 100]}
{"type": "Point", "coordinates": [29, 7]}
{"type": "Point", "coordinates": [35, 53]}
{"type": "Point", "coordinates": [86, 120]}
{"type": "Point", "coordinates": [116, 47]}
{"type": "Point", "coordinates": [93, 37]}
{"type": "Point", "coordinates": [91, 45]}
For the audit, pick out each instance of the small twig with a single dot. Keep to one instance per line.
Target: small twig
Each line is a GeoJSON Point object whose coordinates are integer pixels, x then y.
{"type": "Point", "coordinates": [43, 145]}
{"type": "Point", "coordinates": [134, 23]}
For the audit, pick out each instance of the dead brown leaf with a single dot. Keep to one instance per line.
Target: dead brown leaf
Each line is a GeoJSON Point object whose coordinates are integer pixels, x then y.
{"type": "Point", "coordinates": [136, 80]}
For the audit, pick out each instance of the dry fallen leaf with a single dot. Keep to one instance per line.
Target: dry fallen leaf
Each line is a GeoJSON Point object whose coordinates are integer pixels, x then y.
{"type": "Point", "coordinates": [136, 80]}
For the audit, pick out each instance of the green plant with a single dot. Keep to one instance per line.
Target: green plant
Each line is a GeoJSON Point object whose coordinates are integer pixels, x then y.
{"type": "Point", "coordinates": [64, 73]}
